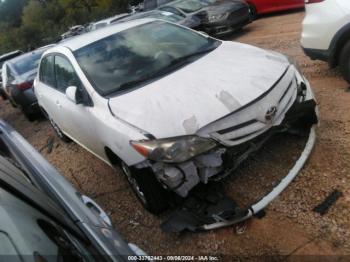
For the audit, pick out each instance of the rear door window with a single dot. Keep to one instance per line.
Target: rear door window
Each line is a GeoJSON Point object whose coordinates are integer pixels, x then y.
{"type": "Point", "coordinates": [47, 75]}
{"type": "Point", "coordinates": [65, 74]}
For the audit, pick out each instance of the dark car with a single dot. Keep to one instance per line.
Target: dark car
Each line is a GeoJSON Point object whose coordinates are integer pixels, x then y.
{"type": "Point", "coordinates": [218, 17]}
{"type": "Point", "coordinates": [3, 59]}
{"type": "Point", "coordinates": [18, 77]}
{"type": "Point", "coordinates": [188, 21]}
{"type": "Point", "coordinates": [43, 218]}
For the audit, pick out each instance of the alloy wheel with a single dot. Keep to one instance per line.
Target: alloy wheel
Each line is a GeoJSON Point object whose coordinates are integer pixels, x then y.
{"type": "Point", "coordinates": [133, 183]}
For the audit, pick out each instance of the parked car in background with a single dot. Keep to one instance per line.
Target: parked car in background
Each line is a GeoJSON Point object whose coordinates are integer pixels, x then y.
{"type": "Point", "coordinates": [18, 75]}
{"type": "Point", "coordinates": [218, 18]}
{"type": "Point", "coordinates": [3, 59]}
{"type": "Point", "coordinates": [73, 31]}
{"type": "Point", "coordinates": [106, 22]}
{"type": "Point", "coordinates": [173, 107]}
{"type": "Point", "coordinates": [189, 21]}
{"type": "Point", "coordinates": [153, 4]}
{"type": "Point", "coordinates": [326, 33]}
{"type": "Point", "coordinates": [43, 217]}
{"type": "Point", "coordinates": [259, 7]}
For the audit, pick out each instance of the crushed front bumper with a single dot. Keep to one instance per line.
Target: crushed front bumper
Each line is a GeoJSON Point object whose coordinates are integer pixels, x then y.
{"type": "Point", "coordinates": [224, 160]}
{"type": "Point", "coordinates": [269, 197]}
{"type": "Point", "coordinates": [301, 118]}
{"type": "Point", "coordinates": [298, 120]}
{"type": "Point", "coordinates": [212, 209]}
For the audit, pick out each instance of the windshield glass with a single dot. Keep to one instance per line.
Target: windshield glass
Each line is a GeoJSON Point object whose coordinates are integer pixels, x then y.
{"type": "Point", "coordinates": [28, 62]}
{"type": "Point", "coordinates": [139, 54]}
{"type": "Point", "coordinates": [189, 6]}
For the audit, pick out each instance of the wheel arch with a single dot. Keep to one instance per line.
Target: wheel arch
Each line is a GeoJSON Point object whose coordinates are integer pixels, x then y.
{"type": "Point", "coordinates": [337, 44]}
{"type": "Point", "coordinates": [44, 112]}
{"type": "Point", "coordinates": [112, 157]}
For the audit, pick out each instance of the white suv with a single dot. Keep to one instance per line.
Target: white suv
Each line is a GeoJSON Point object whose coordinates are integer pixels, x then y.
{"type": "Point", "coordinates": [326, 33]}
{"type": "Point", "coordinates": [172, 106]}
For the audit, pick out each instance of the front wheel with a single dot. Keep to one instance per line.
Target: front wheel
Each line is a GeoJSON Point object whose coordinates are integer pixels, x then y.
{"type": "Point", "coordinates": [147, 188]}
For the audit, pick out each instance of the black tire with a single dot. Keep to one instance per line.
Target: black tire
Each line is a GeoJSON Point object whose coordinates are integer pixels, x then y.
{"type": "Point", "coordinates": [344, 61]}
{"type": "Point", "coordinates": [12, 103]}
{"type": "Point", "coordinates": [30, 117]}
{"type": "Point", "coordinates": [253, 12]}
{"type": "Point", "coordinates": [3, 95]}
{"type": "Point", "coordinates": [59, 132]}
{"type": "Point", "coordinates": [147, 189]}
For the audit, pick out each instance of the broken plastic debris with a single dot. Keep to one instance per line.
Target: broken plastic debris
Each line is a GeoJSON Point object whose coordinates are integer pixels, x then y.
{"type": "Point", "coordinates": [206, 205]}
{"type": "Point", "coordinates": [328, 202]}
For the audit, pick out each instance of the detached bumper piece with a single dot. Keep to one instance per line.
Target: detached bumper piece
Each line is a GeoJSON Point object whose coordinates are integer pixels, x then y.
{"type": "Point", "coordinates": [207, 205]}
{"type": "Point", "coordinates": [209, 208]}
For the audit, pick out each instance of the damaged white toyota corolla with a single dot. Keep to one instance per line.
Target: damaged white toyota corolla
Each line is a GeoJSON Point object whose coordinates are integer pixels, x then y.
{"type": "Point", "coordinates": [173, 107]}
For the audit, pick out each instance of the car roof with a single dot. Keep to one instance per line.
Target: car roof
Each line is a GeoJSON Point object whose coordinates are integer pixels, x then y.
{"type": "Point", "coordinates": [151, 12]}
{"type": "Point", "coordinates": [109, 19]}
{"type": "Point", "coordinates": [80, 41]}
{"type": "Point", "coordinates": [28, 54]}
{"type": "Point", "coordinates": [4, 56]}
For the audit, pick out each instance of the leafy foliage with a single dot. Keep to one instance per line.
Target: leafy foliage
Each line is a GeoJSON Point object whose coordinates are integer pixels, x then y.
{"type": "Point", "coordinates": [26, 24]}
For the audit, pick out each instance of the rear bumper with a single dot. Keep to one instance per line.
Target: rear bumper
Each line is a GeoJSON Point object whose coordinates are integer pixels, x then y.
{"type": "Point", "coordinates": [26, 100]}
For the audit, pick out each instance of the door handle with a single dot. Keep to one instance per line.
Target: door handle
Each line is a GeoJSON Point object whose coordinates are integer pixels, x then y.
{"type": "Point", "coordinates": [97, 209]}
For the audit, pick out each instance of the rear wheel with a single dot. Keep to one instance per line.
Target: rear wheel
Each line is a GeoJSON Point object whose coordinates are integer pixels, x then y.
{"type": "Point", "coordinates": [147, 188]}
{"type": "Point", "coordinates": [12, 102]}
{"type": "Point", "coordinates": [59, 132]}
{"type": "Point", "coordinates": [253, 12]}
{"type": "Point", "coordinates": [30, 117]}
{"type": "Point", "coordinates": [3, 95]}
{"type": "Point", "coordinates": [344, 61]}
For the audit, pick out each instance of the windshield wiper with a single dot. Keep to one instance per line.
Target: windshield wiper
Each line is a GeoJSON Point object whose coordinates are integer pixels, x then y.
{"type": "Point", "coordinates": [176, 62]}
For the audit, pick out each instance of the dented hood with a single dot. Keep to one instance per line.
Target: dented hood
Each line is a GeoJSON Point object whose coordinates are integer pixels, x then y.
{"type": "Point", "coordinates": [206, 90]}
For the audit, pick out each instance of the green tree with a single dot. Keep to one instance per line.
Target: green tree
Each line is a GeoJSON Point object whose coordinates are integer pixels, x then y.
{"type": "Point", "coordinates": [28, 24]}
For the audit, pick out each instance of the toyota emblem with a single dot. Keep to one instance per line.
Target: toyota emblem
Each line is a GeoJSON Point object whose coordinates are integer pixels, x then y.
{"type": "Point", "coordinates": [271, 113]}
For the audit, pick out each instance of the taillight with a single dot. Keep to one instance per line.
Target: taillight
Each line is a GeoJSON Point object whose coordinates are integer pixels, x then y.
{"type": "Point", "coordinates": [313, 1]}
{"type": "Point", "coordinates": [24, 85]}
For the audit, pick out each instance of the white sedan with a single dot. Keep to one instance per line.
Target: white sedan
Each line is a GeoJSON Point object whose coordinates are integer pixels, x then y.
{"type": "Point", "coordinates": [172, 106]}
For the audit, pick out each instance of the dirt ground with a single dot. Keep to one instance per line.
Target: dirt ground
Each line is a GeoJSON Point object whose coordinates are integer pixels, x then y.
{"type": "Point", "coordinates": [290, 230]}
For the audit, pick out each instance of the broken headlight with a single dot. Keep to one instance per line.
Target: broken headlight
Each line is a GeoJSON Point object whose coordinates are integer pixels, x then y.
{"type": "Point", "coordinates": [173, 150]}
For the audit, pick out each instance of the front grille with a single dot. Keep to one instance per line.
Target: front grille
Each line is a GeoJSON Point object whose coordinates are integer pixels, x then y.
{"type": "Point", "coordinates": [237, 128]}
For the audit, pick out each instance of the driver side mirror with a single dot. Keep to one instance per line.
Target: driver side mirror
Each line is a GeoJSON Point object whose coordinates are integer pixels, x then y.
{"type": "Point", "coordinates": [71, 93]}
